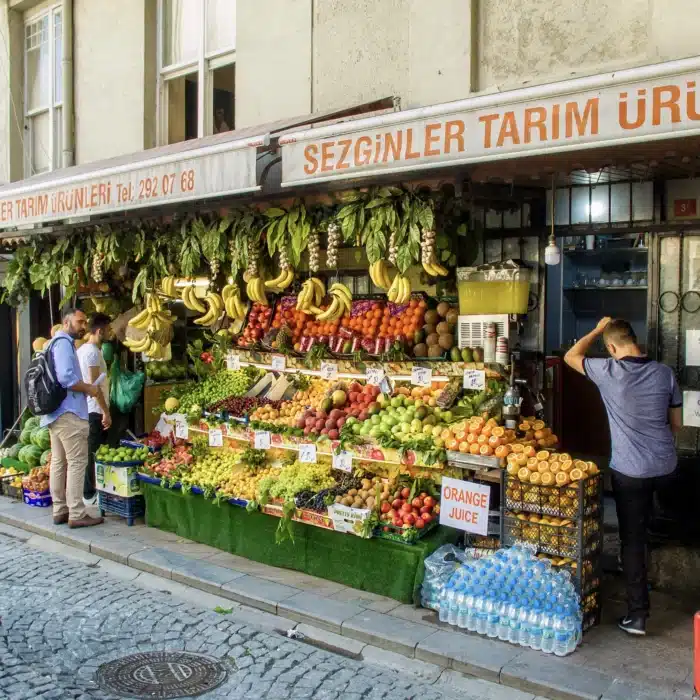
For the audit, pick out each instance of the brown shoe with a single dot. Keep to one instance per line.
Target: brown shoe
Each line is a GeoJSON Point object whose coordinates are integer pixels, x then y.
{"type": "Point", "coordinates": [87, 521]}
{"type": "Point", "coordinates": [60, 519]}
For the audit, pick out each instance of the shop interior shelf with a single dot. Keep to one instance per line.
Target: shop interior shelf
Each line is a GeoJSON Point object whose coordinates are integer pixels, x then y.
{"type": "Point", "coordinates": [610, 288]}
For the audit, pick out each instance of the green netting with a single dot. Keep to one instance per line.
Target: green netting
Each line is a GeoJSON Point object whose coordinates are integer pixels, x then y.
{"type": "Point", "coordinates": [379, 566]}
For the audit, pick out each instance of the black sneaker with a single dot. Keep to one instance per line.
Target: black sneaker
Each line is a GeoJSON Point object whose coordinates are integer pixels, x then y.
{"type": "Point", "coordinates": [633, 625]}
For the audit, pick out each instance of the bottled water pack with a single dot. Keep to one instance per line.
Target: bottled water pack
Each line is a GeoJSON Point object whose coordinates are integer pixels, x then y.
{"type": "Point", "coordinates": [513, 596]}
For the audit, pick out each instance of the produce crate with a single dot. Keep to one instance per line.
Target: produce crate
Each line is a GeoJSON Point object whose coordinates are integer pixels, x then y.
{"type": "Point", "coordinates": [7, 489]}
{"type": "Point", "coordinates": [120, 480]}
{"type": "Point", "coordinates": [148, 479]}
{"type": "Point", "coordinates": [591, 608]}
{"type": "Point", "coordinates": [135, 445]}
{"type": "Point", "coordinates": [130, 508]}
{"type": "Point", "coordinates": [388, 531]}
{"type": "Point", "coordinates": [37, 499]}
{"type": "Point", "coordinates": [575, 540]}
{"type": "Point", "coordinates": [573, 501]}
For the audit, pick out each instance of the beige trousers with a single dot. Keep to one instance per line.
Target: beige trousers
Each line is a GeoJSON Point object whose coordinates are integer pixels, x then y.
{"type": "Point", "coordinates": [69, 456]}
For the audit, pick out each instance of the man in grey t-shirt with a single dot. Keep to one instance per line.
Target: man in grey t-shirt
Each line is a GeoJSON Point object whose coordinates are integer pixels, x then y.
{"type": "Point", "coordinates": [643, 403]}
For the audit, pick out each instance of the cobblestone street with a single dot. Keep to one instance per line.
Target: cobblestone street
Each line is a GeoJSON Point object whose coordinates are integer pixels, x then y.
{"type": "Point", "coordinates": [62, 619]}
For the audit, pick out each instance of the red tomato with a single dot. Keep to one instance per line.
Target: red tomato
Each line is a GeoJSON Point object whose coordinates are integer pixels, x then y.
{"type": "Point", "coordinates": [420, 524]}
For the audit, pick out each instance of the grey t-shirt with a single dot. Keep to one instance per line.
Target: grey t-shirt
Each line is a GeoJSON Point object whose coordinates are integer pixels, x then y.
{"type": "Point", "coordinates": [637, 393]}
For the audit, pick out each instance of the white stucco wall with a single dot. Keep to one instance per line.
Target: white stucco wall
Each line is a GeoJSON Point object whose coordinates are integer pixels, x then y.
{"type": "Point", "coordinates": [365, 50]}
{"type": "Point", "coordinates": [110, 78]}
{"type": "Point", "coordinates": [273, 60]}
{"type": "Point", "coordinates": [537, 41]}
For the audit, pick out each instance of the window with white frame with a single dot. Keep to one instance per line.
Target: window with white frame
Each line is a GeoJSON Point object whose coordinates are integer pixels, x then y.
{"type": "Point", "coordinates": [43, 82]}
{"type": "Point", "coordinates": [197, 68]}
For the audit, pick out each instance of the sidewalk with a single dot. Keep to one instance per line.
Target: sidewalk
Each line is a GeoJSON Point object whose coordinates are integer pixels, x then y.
{"type": "Point", "coordinates": [608, 666]}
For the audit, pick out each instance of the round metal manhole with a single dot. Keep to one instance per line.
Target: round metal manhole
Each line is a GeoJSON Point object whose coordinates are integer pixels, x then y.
{"type": "Point", "coordinates": [161, 675]}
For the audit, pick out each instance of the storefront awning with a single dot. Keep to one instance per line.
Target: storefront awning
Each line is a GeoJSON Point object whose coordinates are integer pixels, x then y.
{"type": "Point", "coordinates": [216, 166]}
{"type": "Point", "coordinates": [650, 103]}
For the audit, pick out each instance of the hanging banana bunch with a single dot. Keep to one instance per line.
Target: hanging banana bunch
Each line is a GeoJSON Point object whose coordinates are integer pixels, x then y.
{"type": "Point", "coordinates": [400, 290]}
{"type": "Point", "coordinates": [340, 305]}
{"type": "Point", "coordinates": [191, 301]}
{"type": "Point", "coordinates": [156, 323]}
{"type": "Point", "coordinates": [310, 296]}
{"type": "Point", "coordinates": [214, 308]}
{"type": "Point", "coordinates": [234, 306]}
{"type": "Point", "coordinates": [167, 286]}
{"type": "Point", "coordinates": [379, 274]}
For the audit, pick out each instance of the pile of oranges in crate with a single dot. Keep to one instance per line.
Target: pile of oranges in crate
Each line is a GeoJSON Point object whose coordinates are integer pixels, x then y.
{"type": "Point", "coordinates": [548, 469]}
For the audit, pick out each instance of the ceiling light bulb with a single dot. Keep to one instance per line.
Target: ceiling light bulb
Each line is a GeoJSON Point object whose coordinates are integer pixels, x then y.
{"type": "Point", "coordinates": [552, 254]}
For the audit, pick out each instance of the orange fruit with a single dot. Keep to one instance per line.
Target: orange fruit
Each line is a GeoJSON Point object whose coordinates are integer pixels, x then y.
{"type": "Point", "coordinates": [562, 478]}
{"type": "Point", "coordinates": [474, 448]}
{"type": "Point", "coordinates": [451, 444]}
{"type": "Point", "coordinates": [472, 437]}
{"type": "Point", "coordinates": [566, 466]}
{"type": "Point", "coordinates": [524, 474]}
{"type": "Point", "coordinates": [524, 427]}
{"type": "Point", "coordinates": [463, 447]}
{"type": "Point", "coordinates": [498, 431]}
{"type": "Point", "coordinates": [575, 474]}
{"type": "Point", "coordinates": [542, 467]}
{"type": "Point", "coordinates": [486, 430]}
{"type": "Point", "coordinates": [538, 425]}
{"type": "Point", "coordinates": [535, 477]}
{"type": "Point", "coordinates": [532, 463]}
{"type": "Point", "coordinates": [486, 450]}
{"type": "Point", "coordinates": [530, 451]}
{"type": "Point", "coordinates": [482, 439]}
{"type": "Point", "coordinates": [542, 456]}
{"type": "Point", "coordinates": [475, 428]}
{"type": "Point", "coordinates": [518, 448]}
{"type": "Point", "coordinates": [547, 478]}
{"type": "Point", "coordinates": [521, 460]}
{"type": "Point", "coordinates": [446, 434]}
{"type": "Point", "coordinates": [494, 441]}
{"type": "Point", "coordinates": [461, 435]}
{"type": "Point", "coordinates": [501, 451]}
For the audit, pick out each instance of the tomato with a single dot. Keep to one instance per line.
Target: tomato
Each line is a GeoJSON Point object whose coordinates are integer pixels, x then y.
{"type": "Point", "coordinates": [385, 507]}
{"type": "Point", "coordinates": [405, 492]}
{"type": "Point", "coordinates": [428, 518]}
{"type": "Point", "coordinates": [420, 524]}
{"type": "Point", "coordinates": [429, 501]}
{"type": "Point", "coordinates": [417, 502]}
{"type": "Point", "coordinates": [406, 508]}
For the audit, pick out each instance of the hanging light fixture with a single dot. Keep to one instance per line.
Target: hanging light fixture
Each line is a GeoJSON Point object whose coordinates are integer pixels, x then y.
{"type": "Point", "coordinates": [552, 254]}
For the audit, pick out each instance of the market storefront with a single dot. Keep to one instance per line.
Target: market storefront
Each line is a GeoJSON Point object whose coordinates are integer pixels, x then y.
{"type": "Point", "coordinates": [328, 364]}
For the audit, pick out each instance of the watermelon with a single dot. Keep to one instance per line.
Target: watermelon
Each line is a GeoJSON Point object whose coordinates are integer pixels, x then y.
{"type": "Point", "coordinates": [41, 438]}
{"type": "Point", "coordinates": [32, 423]}
{"type": "Point", "coordinates": [45, 457]}
{"type": "Point", "coordinates": [25, 437]}
{"type": "Point", "coordinates": [14, 451]}
{"type": "Point", "coordinates": [30, 454]}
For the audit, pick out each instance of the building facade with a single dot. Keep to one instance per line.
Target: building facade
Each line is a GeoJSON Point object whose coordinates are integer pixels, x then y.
{"type": "Point", "coordinates": [86, 80]}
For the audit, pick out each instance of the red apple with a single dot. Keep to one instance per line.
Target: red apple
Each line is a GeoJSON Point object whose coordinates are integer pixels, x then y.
{"type": "Point", "coordinates": [429, 501]}
{"type": "Point", "coordinates": [320, 424]}
{"type": "Point", "coordinates": [324, 431]}
{"type": "Point", "coordinates": [428, 518]}
{"type": "Point", "coordinates": [385, 507]}
{"type": "Point", "coordinates": [397, 503]}
{"type": "Point", "coordinates": [425, 509]}
{"type": "Point", "coordinates": [423, 494]}
{"type": "Point", "coordinates": [333, 434]}
{"type": "Point", "coordinates": [417, 502]}
{"type": "Point", "coordinates": [398, 522]}
{"type": "Point", "coordinates": [341, 422]}
{"type": "Point", "coordinates": [392, 514]}
{"type": "Point", "coordinates": [406, 508]}
{"type": "Point", "coordinates": [420, 524]}
{"type": "Point", "coordinates": [409, 518]}
{"type": "Point", "coordinates": [405, 492]}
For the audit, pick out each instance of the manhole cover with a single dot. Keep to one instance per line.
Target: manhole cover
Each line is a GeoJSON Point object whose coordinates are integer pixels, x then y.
{"type": "Point", "coordinates": [161, 674]}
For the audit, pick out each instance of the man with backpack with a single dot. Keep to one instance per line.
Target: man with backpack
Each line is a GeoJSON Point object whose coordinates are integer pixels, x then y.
{"type": "Point", "coordinates": [68, 424]}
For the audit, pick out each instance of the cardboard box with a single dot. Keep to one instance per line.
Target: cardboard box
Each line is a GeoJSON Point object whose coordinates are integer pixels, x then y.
{"type": "Point", "coordinates": [120, 481]}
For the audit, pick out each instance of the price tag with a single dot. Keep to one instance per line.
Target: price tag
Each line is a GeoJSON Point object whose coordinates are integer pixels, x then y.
{"type": "Point", "coordinates": [329, 370]}
{"type": "Point", "coordinates": [216, 437]}
{"type": "Point", "coordinates": [375, 375]}
{"type": "Point", "coordinates": [342, 460]}
{"type": "Point", "coordinates": [262, 439]}
{"type": "Point", "coordinates": [421, 376]}
{"type": "Point", "coordinates": [474, 379]}
{"type": "Point", "coordinates": [233, 361]}
{"type": "Point", "coordinates": [307, 453]}
{"type": "Point", "coordinates": [163, 427]}
{"type": "Point", "coordinates": [182, 430]}
{"type": "Point", "coordinates": [279, 362]}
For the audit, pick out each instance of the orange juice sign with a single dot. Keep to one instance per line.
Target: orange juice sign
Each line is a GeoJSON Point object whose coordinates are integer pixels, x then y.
{"type": "Point", "coordinates": [193, 175]}
{"type": "Point", "coordinates": [574, 114]}
{"type": "Point", "coordinates": [465, 505]}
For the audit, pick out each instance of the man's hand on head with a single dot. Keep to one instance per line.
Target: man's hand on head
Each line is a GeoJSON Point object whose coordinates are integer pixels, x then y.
{"type": "Point", "coordinates": [603, 324]}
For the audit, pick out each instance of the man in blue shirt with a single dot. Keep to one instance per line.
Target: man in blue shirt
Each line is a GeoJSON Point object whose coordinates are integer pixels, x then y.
{"type": "Point", "coordinates": [643, 403]}
{"type": "Point", "coordinates": [68, 426]}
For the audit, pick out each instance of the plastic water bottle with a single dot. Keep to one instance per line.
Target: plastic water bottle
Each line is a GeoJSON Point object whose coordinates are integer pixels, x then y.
{"type": "Point", "coordinates": [574, 626]}
{"type": "Point", "coordinates": [514, 621]}
{"type": "Point", "coordinates": [453, 611]}
{"type": "Point", "coordinates": [471, 610]}
{"type": "Point", "coordinates": [447, 591]}
{"type": "Point", "coordinates": [523, 619]}
{"type": "Point", "coordinates": [547, 624]}
{"type": "Point", "coordinates": [493, 614]}
{"type": "Point", "coordinates": [503, 620]}
{"type": "Point", "coordinates": [563, 631]}
{"type": "Point", "coordinates": [465, 608]}
{"type": "Point", "coordinates": [534, 623]}
{"type": "Point", "coordinates": [480, 611]}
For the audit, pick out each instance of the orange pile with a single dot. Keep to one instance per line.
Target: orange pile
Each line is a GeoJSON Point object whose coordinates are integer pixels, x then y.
{"type": "Point", "coordinates": [405, 323]}
{"type": "Point", "coordinates": [365, 324]}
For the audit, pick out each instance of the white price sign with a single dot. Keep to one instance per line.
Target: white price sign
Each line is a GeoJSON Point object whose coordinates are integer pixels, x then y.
{"type": "Point", "coordinates": [307, 453]}
{"type": "Point", "coordinates": [233, 361]}
{"type": "Point", "coordinates": [421, 376]}
{"type": "Point", "coordinates": [342, 460]}
{"type": "Point", "coordinates": [262, 440]}
{"type": "Point", "coordinates": [163, 427]}
{"type": "Point", "coordinates": [474, 379]}
{"type": "Point", "coordinates": [182, 430]}
{"type": "Point", "coordinates": [375, 375]}
{"type": "Point", "coordinates": [465, 505]}
{"type": "Point", "coordinates": [329, 370]}
{"type": "Point", "coordinates": [216, 437]}
{"type": "Point", "coordinates": [279, 363]}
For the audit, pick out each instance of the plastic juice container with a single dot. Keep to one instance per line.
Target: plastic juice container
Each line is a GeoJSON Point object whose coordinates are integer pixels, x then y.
{"type": "Point", "coordinates": [493, 291]}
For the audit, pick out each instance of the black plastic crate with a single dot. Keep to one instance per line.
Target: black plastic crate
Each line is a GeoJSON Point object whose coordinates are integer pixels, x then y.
{"type": "Point", "coordinates": [577, 500]}
{"type": "Point", "coordinates": [129, 507]}
{"type": "Point", "coordinates": [565, 539]}
{"type": "Point", "coordinates": [591, 609]}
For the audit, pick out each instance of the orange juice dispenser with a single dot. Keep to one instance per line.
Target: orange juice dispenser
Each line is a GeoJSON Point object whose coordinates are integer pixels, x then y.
{"type": "Point", "coordinates": [501, 288]}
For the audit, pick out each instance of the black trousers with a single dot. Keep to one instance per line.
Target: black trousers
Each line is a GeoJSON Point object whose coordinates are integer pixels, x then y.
{"type": "Point", "coordinates": [634, 501]}
{"type": "Point", "coordinates": [96, 437]}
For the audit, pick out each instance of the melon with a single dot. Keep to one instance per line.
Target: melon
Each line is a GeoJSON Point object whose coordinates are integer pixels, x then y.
{"type": "Point", "coordinates": [45, 458]}
{"type": "Point", "coordinates": [41, 438]}
{"type": "Point", "coordinates": [33, 423]}
{"type": "Point", "coordinates": [38, 344]}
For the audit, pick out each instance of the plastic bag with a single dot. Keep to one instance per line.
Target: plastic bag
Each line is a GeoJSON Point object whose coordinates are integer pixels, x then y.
{"type": "Point", "coordinates": [125, 387]}
{"type": "Point", "coordinates": [108, 352]}
{"type": "Point", "coordinates": [439, 566]}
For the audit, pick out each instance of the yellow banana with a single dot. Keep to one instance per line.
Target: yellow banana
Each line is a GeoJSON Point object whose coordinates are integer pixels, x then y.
{"type": "Point", "coordinates": [394, 289]}
{"type": "Point", "coordinates": [304, 298]}
{"type": "Point", "coordinates": [319, 289]}
{"type": "Point", "coordinates": [334, 311]}
{"type": "Point", "coordinates": [383, 275]}
{"type": "Point", "coordinates": [196, 304]}
{"type": "Point", "coordinates": [374, 273]}
{"type": "Point", "coordinates": [260, 291]}
{"type": "Point", "coordinates": [214, 299]}
{"type": "Point", "coordinates": [141, 318]}
{"type": "Point", "coordinates": [141, 345]}
{"type": "Point", "coordinates": [341, 289]}
{"type": "Point", "coordinates": [228, 291]}
{"type": "Point", "coordinates": [276, 283]}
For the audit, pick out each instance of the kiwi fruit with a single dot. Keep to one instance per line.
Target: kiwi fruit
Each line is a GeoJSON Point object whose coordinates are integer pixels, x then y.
{"type": "Point", "coordinates": [435, 351]}
{"type": "Point", "coordinates": [446, 341]}
{"type": "Point", "coordinates": [452, 316]}
{"type": "Point", "coordinates": [432, 339]}
{"type": "Point", "coordinates": [359, 503]}
{"type": "Point", "coordinates": [432, 317]}
{"type": "Point", "coordinates": [443, 309]}
{"type": "Point", "coordinates": [442, 328]}
{"type": "Point", "coordinates": [352, 492]}
{"type": "Point", "coordinates": [420, 350]}
{"type": "Point", "coordinates": [347, 501]}
{"type": "Point", "coordinates": [428, 328]}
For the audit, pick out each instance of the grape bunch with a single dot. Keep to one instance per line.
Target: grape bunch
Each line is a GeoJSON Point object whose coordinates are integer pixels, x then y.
{"type": "Point", "coordinates": [295, 478]}
{"type": "Point", "coordinates": [318, 501]}
{"type": "Point", "coordinates": [215, 388]}
{"type": "Point", "coordinates": [243, 405]}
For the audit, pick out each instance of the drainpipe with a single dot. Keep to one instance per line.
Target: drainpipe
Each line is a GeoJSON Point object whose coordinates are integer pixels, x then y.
{"type": "Point", "coordinates": [68, 122]}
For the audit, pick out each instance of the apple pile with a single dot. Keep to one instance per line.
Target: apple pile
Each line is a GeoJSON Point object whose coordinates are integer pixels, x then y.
{"type": "Point", "coordinates": [258, 324]}
{"type": "Point", "coordinates": [404, 513]}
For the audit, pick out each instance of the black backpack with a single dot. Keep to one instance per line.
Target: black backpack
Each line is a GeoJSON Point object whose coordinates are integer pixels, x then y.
{"type": "Point", "coordinates": [44, 392]}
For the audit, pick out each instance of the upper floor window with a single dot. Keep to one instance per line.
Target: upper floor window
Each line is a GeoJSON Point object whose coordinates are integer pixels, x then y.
{"type": "Point", "coordinates": [43, 83]}
{"type": "Point", "coordinates": [197, 68]}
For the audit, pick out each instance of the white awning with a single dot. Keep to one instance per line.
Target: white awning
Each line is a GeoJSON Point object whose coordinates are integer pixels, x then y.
{"type": "Point", "coordinates": [649, 103]}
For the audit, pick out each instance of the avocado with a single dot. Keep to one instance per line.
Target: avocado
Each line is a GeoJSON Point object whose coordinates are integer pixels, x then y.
{"type": "Point", "coordinates": [478, 354]}
{"type": "Point", "coordinates": [455, 355]}
{"type": "Point", "coordinates": [467, 355]}
{"type": "Point", "coordinates": [418, 337]}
